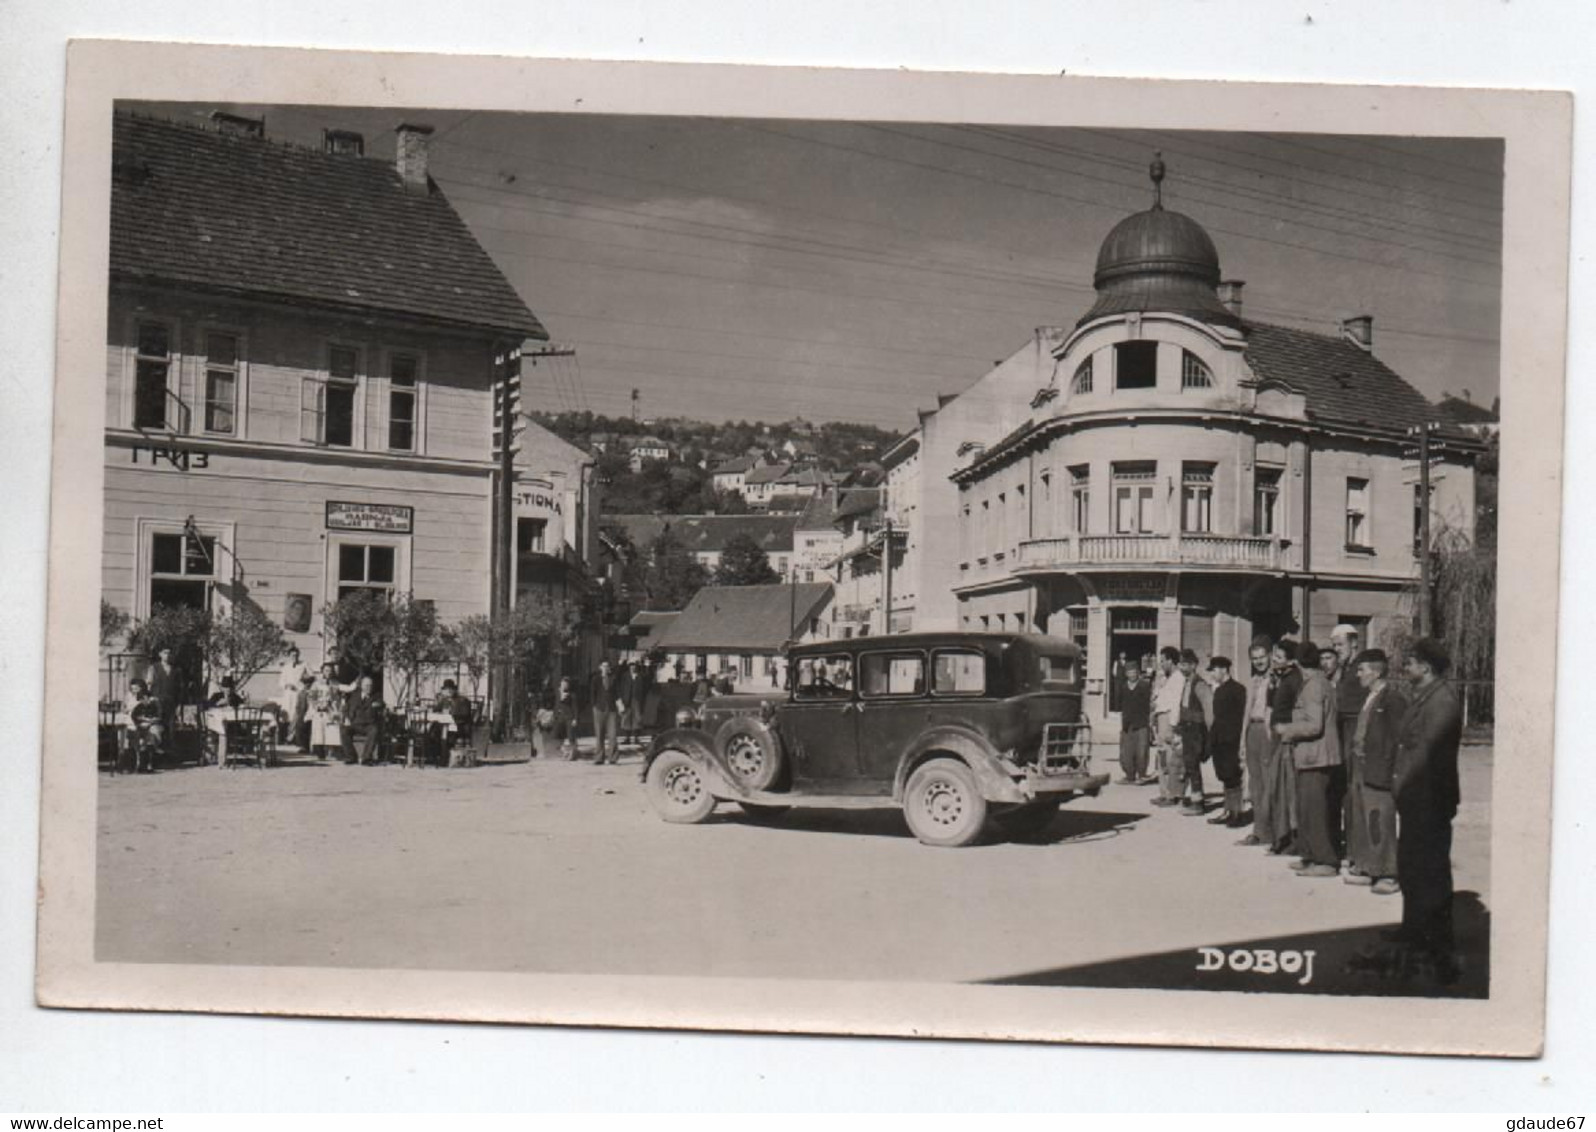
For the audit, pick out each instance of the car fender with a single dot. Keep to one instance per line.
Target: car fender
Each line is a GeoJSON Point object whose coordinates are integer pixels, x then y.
{"type": "Point", "coordinates": [701, 749]}
{"type": "Point", "coordinates": [992, 775]}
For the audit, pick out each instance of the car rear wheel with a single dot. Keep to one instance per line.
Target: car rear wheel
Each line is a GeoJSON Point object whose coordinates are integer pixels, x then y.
{"type": "Point", "coordinates": [943, 804]}
{"type": "Point", "coordinates": [677, 789]}
{"type": "Point", "coordinates": [752, 752]}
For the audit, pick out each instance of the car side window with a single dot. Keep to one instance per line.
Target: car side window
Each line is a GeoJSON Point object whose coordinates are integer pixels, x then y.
{"type": "Point", "coordinates": [892, 674]}
{"type": "Point", "coordinates": [824, 678]}
{"type": "Point", "coordinates": [958, 673]}
{"type": "Point", "coordinates": [1057, 670]}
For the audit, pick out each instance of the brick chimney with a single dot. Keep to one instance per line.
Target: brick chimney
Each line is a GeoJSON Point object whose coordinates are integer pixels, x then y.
{"type": "Point", "coordinates": [1359, 331]}
{"type": "Point", "coordinates": [1230, 295]}
{"type": "Point", "coordinates": [412, 155]}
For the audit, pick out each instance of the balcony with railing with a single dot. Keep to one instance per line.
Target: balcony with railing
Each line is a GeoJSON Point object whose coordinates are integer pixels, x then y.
{"type": "Point", "coordinates": [1131, 551]}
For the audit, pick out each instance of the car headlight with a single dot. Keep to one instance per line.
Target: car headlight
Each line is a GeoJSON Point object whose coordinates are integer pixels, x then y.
{"type": "Point", "coordinates": [686, 717]}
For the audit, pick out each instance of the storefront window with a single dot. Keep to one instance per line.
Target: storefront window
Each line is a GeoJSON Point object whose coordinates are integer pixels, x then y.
{"type": "Point", "coordinates": [182, 570]}
{"type": "Point", "coordinates": [366, 567]}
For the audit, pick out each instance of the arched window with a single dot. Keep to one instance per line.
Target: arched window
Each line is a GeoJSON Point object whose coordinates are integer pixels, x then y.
{"type": "Point", "coordinates": [1082, 381]}
{"type": "Point", "coordinates": [1193, 374]}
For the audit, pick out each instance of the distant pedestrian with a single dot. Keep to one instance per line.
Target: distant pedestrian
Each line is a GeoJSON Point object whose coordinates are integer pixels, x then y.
{"type": "Point", "coordinates": [1315, 753]}
{"type": "Point", "coordinates": [1168, 691]}
{"type": "Point", "coordinates": [1259, 740]}
{"type": "Point", "coordinates": [1372, 835]}
{"type": "Point", "coordinates": [1425, 783]}
{"type": "Point", "coordinates": [566, 716]}
{"type": "Point", "coordinates": [604, 693]}
{"type": "Point", "coordinates": [1280, 773]}
{"type": "Point", "coordinates": [165, 685]}
{"type": "Point", "coordinates": [1135, 720]}
{"type": "Point", "coordinates": [1225, 728]}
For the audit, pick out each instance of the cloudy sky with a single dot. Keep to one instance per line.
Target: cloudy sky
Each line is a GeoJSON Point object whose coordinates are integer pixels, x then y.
{"type": "Point", "coordinates": [769, 269]}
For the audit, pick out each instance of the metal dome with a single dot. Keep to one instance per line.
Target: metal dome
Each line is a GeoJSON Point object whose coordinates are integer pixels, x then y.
{"type": "Point", "coordinates": [1159, 261]}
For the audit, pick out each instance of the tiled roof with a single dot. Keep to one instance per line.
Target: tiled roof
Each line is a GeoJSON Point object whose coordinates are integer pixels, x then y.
{"type": "Point", "coordinates": [1341, 381]}
{"type": "Point", "coordinates": [245, 215]}
{"type": "Point", "coordinates": [648, 442]}
{"type": "Point", "coordinates": [766, 473]}
{"type": "Point", "coordinates": [1458, 411]}
{"type": "Point", "coordinates": [735, 465]}
{"type": "Point", "coordinates": [754, 618]}
{"type": "Point", "coordinates": [709, 534]}
{"type": "Point", "coordinates": [857, 501]}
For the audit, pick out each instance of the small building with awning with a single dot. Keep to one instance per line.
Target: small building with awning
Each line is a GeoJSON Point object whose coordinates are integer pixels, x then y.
{"type": "Point", "coordinates": [743, 631]}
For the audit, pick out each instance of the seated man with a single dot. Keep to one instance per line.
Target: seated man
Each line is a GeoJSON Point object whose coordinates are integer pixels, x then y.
{"type": "Point", "coordinates": [362, 724]}
{"type": "Point", "coordinates": [148, 732]}
{"type": "Point", "coordinates": [452, 703]}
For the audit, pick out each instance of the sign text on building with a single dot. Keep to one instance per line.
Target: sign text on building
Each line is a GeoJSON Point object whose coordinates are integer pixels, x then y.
{"type": "Point", "coordinates": [385, 517]}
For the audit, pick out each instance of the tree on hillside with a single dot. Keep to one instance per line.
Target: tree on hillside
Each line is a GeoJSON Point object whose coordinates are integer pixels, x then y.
{"type": "Point", "coordinates": [744, 563]}
{"type": "Point", "coordinates": [672, 575]}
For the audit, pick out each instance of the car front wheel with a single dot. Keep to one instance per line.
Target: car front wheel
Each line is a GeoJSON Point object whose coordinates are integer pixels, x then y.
{"type": "Point", "coordinates": [677, 790]}
{"type": "Point", "coordinates": [943, 805]}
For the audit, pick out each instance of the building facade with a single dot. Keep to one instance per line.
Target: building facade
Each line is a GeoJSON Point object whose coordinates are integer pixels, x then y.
{"type": "Point", "coordinates": [1170, 473]}
{"type": "Point", "coordinates": [298, 392]}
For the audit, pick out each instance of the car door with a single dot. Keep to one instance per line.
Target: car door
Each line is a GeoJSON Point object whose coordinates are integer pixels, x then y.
{"type": "Point", "coordinates": [818, 725]}
{"type": "Point", "coordinates": [892, 710]}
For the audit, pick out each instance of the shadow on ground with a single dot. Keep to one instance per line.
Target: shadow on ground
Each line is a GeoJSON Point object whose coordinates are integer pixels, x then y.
{"type": "Point", "coordinates": [1348, 961]}
{"type": "Point", "coordinates": [888, 821]}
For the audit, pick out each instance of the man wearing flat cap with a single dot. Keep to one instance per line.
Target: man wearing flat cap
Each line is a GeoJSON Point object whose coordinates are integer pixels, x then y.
{"type": "Point", "coordinates": [1425, 782]}
{"type": "Point", "coordinates": [1224, 740]}
{"type": "Point", "coordinates": [1372, 833]}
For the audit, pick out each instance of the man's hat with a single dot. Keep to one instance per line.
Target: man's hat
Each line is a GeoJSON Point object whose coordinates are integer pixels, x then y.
{"type": "Point", "coordinates": [1431, 652]}
{"type": "Point", "coordinates": [1308, 653]}
{"type": "Point", "coordinates": [1371, 656]}
{"type": "Point", "coordinates": [1219, 662]}
{"type": "Point", "coordinates": [1343, 630]}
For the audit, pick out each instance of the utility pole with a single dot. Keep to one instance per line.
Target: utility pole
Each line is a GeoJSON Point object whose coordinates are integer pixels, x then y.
{"type": "Point", "coordinates": [1423, 431]}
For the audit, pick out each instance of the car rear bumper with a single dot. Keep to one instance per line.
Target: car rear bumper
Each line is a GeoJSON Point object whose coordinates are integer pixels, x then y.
{"type": "Point", "coordinates": [1039, 787]}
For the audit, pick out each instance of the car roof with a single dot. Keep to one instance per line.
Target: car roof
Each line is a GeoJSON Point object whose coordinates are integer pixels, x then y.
{"type": "Point", "coordinates": [987, 642]}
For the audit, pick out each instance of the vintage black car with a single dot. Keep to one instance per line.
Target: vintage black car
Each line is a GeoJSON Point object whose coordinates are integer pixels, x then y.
{"type": "Point", "coordinates": [957, 728]}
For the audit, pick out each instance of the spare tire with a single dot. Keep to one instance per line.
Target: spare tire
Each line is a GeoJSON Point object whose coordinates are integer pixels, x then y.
{"type": "Point", "coordinates": [751, 751]}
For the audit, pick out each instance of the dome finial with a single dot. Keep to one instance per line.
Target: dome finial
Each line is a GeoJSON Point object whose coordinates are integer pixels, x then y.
{"type": "Point", "coordinates": [1156, 172]}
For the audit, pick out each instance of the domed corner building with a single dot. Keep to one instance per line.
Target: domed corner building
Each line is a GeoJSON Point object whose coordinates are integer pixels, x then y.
{"type": "Point", "coordinates": [1171, 472]}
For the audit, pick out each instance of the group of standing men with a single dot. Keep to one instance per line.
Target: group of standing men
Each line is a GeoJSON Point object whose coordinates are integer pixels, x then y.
{"type": "Point", "coordinates": [1340, 762]}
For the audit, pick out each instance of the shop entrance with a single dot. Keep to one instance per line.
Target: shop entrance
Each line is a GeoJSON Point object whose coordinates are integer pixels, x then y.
{"type": "Point", "coordinates": [1132, 633]}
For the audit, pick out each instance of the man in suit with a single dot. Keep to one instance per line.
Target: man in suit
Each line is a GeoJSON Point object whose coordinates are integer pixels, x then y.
{"type": "Point", "coordinates": [604, 693]}
{"type": "Point", "coordinates": [362, 729]}
{"type": "Point", "coordinates": [1425, 783]}
{"type": "Point", "coordinates": [1224, 740]}
{"type": "Point", "coordinates": [1372, 835]}
{"type": "Point", "coordinates": [1310, 737]}
{"type": "Point", "coordinates": [163, 680]}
